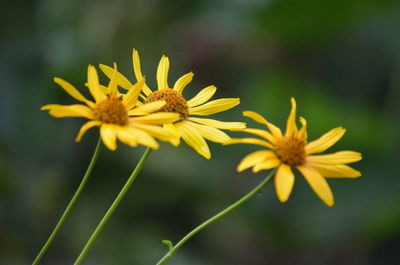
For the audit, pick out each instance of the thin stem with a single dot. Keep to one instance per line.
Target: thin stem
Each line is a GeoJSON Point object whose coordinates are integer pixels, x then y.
{"type": "Point", "coordinates": [173, 249]}
{"type": "Point", "coordinates": [71, 203]}
{"type": "Point", "coordinates": [112, 208]}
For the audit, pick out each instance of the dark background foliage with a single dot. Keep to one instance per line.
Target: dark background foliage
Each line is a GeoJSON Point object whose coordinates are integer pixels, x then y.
{"type": "Point", "coordinates": [339, 59]}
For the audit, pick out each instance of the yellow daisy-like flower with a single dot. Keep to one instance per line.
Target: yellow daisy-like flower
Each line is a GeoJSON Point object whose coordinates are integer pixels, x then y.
{"type": "Point", "coordinates": [193, 130]}
{"type": "Point", "coordinates": [292, 150]}
{"type": "Point", "coordinates": [117, 115]}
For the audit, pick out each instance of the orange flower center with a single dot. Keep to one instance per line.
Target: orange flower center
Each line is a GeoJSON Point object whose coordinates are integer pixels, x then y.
{"type": "Point", "coordinates": [291, 150]}
{"type": "Point", "coordinates": [174, 101]}
{"type": "Point", "coordinates": [111, 110]}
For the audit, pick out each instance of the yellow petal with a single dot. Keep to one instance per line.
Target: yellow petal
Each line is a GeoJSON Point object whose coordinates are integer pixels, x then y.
{"type": "Point", "coordinates": [162, 73]}
{"type": "Point", "coordinates": [325, 141]}
{"type": "Point", "coordinates": [260, 119]}
{"type": "Point", "coordinates": [85, 128]}
{"type": "Point", "coordinates": [303, 130]}
{"type": "Point", "coordinates": [144, 138]}
{"type": "Point", "coordinates": [112, 85]}
{"type": "Point", "coordinates": [156, 131]}
{"type": "Point", "coordinates": [209, 133]}
{"type": "Point", "coordinates": [318, 184]}
{"type": "Point", "coordinates": [284, 181]}
{"type": "Point", "coordinates": [342, 157]}
{"type": "Point", "coordinates": [157, 118]}
{"type": "Point", "coordinates": [268, 163]}
{"type": "Point", "coordinates": [203, 96]}
{"type": "Point", "coordinates": [215, 106]}
{"type": "Point", "coordinates": [194, 139]}
{"type": "Point", "coordinates": [126, 136]}
{"type": "Point", "coordinates": [130, 99]}
{"type": "Point", "coordinates": [108, 133]}
{"type": "Point", "coordinates": [182, 82]}
{"type": "Point", "coordinates": [121, 79]}
{"type": "Point", "coordinates": [248, 141]}
{"type": "Point", "coordinates": [61, 111]}
{"type": "Point", "coordinates": [336, 171]}
{"type": "Point", "coordinates": [138, 71]}
{"type": "Point", "coordinates": [147, 108]}
{"type": "Point", "coordinates": [72, 91]}
{"type": "Point", "coordinates": [291, 128]}
{"type": "Point", "coordinates": [218, 124]}
{"type": "Point", "coordinates": [170, 127]}
{"type": "Point", "coordinates": [266, 135]}
{"type": "Point", "coordinates": [253, 159]}
{"type": "Point", "coordinates": [93, 83]}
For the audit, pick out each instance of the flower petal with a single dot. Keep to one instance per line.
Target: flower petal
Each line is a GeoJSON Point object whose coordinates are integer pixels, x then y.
{"type": "Point", "coordinates": [209, 133]}
{"type": "Point", "coordinates": [253, 159]}
{"type": "Point", "coordinates": [72, 91]}
{"type": "Point", "coordinates": [291, 128]}
{"type": "Point", "coordinates": [264, 134]}
{"type": "Point", "coordinates": [318, 183]}
{"type": "Point", "coordinates": [131, 98]}
{"type": "Point", "coordinates": [215, 106]}
{"type": "Point", "coordinates": [336, 171]}
{"type": "Point", "coordinates": [248, 141]}
{"type": "Point", "coordinates": [156, 131]}
{"type": "Point", "coordinates": [268, 163]}
{"type": "Point", "coordinates": [108, 133]}
{"type": "Point", "coordinates": [138, 72]}
{"type": "Point", "coordinates": [144, 138]}
{"type": "Point", "coordinates": [284, 181]}
{"type": "Point", "coordinates": [260, 119]}
{"type": "Point", "coordinates": [325, 141]}
{"type": "Point", "coordinates": [218, 124]}
{"type": "Point", "coordinates": [182, 82]}
{"type": "Point", "coordinates": [194, 139]}
{"type": "Point", "coordinates": [162, 73]}
{"type": "Point", "coordinates": [303, 131]}
{"type": "Point", "coordinates": [342, 157]}
{"type": "Point", "coordinates": [121, 79]}
{"type": "Point", "coordinates": [61, 111]}
{"type": "Point", "coordinates": [126, 136]}
{"type": "Point", "coordinates": [156, 118]}
{"type": "Point", "coordinates": [202, 97]}
{"type": "Point", "coordinates": [147, 108]}
{"type": "Point", "coordinates": [113, 84]}
{"type": "Point", "coordinates": [170, 127]}
{"type": "Point", "coordinates": [93, 83]}
{"type": "Point", "coordinates": [85, 128]}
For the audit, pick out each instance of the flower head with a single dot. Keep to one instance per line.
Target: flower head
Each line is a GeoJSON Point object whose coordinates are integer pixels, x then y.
{"type": "Point", "coordinates": [291, 150]}
{"type": "Point", "coordinates": [117, 115]}
{"type": "Point", "coordinates": [193, 130]}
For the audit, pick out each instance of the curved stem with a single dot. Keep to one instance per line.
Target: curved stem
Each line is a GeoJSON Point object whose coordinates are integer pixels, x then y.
{"type": "Point", "coordinates": [112, 208]}
{"type": "Point", "coordinates": [71, 203]}
{"type": "Point", "coordinates": [173, 249]}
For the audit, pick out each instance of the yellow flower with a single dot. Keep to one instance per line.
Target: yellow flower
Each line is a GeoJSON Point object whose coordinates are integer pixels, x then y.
{"type": "Point", "coordinates": [293, 150]}
{"type": "Point", "coordinates": [117, 115]}
{"type": "Point", "coordinates": [193, 130]}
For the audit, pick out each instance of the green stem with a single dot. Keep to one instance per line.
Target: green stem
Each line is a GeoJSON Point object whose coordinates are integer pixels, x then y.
{"type": "Point", "coordinates": [71, 203]}
{"type": "Point", "coordinates": [173, 249]}
{"type": "Point", "coordinates": [112, 208]}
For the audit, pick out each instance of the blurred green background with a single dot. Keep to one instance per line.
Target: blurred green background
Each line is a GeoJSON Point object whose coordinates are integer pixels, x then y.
{"type": "Point", "coordinates": [339, 59]}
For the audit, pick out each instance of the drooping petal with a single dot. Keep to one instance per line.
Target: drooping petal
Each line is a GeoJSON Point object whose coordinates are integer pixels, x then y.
{"type": "Point", "coordinates": [336, 171]}
{"type": "Point", "coordinates": [284, 181]}
{"type": "Point", "coordinates": [108, 133]}
{"type": "Point", "coordinates": [194, 139]}
{"type": "Point", "coordinates": [156, 131]}
{"type": "Point", "coordinates": [121, 79]}
{"type": "Point", "coordinates": [182, 82]}
{"type": "Point", "coordinates": [291, 127]}
{"type": "Point", "coordinates": [325, 141]}
{"type": "Point", "coordinates": [268, 163]}
{"type": "Point", "coordinates": [147, 108]}
{"type": "Point", "coordinates": [72, 91]}
{"type": "Point", "coordinates": [170, 127]}
{"type": "Point", "coordinates": [93, 83]}
{"type": "Point", "coordinates": [253, 158]}
{"type": "Point", "coordinates": [218, 124]}
{"type": "Point", "coordinates": [318, 183]}
{"type": "Point", "coordinates": [130, 99]}
{"type": "Point", "coordinates": [342, 157]}
{"type": "Point", "coordinates": [85, 128]}
{"type": "Point", "coordinates": [260, 119]}
{"type": "Point", "coordinates": [126, 136]}
{"type": "Point", "coordinates": [138, 72]}
{"type": "Point", "coordinates": [266, 135]}
{"type": "Point", "coordinates": [162, 73]}
{"type": "Point", "coordinates": [144, 138]}
{"type": "Point", "coordinates": [157, 118]}
{"type": "Point", "coordinates": [203, 96]}
{"type": "Point", "coordinates": [61, 111]}
{"type": "Point", "coordinates": [215, 106]}
{"type": "Point", "coordinates": [208, 132]}
{"type": "Point", "coordinates": [248, 141]}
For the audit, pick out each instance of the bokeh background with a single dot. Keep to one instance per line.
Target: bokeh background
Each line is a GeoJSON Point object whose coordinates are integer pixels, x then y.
{"type": "Point", "coordinates": [339, 59]}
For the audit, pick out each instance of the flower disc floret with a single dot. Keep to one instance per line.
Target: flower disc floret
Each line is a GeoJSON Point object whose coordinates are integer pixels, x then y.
{"type": "Point", "coordinates": [175, 102]}
{"type": "Point", "coordinates": [290, 150]}
{"type": "Point", "coordinates": [111, 110]}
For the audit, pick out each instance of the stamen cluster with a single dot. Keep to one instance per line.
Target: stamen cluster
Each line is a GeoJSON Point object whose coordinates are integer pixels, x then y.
{"type": "Point", "coordinates": [175, 102]}
{"type": "Point", "coordinates": [111, 110]}
{"type": "Point", "coordinates": [290, 150]}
